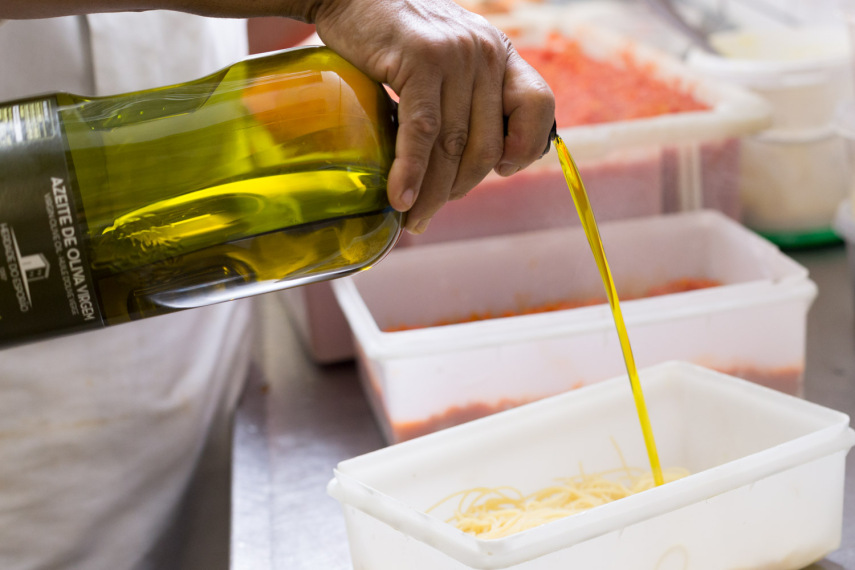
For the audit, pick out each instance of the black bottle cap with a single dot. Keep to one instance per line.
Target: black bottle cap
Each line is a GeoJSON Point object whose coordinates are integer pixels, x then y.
{"type": "Point", "coordinates": [553, 132]}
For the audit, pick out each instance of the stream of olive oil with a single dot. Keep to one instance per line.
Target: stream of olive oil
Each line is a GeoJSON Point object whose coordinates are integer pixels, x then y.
{"type": "Point", "coordinates": [586, 215]}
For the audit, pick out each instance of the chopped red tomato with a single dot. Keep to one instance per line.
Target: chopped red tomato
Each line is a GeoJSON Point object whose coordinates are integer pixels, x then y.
{"type": "Point", "coordinates": [590, 91]}
{"type": "Point", "coordinates": [675, 286]}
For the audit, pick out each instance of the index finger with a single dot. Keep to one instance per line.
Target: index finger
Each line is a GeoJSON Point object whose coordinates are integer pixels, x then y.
{"type": "Point", "coordinates": [419, 121]}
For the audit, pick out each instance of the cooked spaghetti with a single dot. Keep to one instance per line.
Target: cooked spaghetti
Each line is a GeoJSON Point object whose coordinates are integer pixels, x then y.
{"type": "Point", "coordinates": [496, 512]}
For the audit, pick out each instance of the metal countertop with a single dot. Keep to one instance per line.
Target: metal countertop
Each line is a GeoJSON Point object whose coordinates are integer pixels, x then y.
{"type": "Point", "coordinates": [296, 421]}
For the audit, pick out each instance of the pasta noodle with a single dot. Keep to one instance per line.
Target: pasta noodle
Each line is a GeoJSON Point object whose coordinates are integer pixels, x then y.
{"type": "Point", "coordinates": [496, 512]}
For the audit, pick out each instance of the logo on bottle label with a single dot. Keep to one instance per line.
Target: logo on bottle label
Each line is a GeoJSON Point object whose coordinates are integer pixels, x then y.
{"type": "Point", "coordinates": [21, 270]}
{"type": "Point", "coordinates": [45, 283]}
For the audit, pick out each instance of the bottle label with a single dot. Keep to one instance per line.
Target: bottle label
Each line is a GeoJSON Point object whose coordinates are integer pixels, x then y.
{"type": "Point", "coordinates": [45, 284]}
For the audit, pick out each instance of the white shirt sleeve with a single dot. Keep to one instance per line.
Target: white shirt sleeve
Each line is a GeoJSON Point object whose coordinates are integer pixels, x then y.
{"type": "Point", "coordinates": [44, 56]}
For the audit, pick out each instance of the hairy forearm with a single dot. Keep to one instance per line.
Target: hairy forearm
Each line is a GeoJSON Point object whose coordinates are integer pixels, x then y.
{"type": "Point", "coordinates": [304, 10]}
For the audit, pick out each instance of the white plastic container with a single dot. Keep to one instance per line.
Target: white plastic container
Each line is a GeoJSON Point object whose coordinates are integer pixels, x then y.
{"type": "Point", "coordinates": [425, 379]}
{"type": "Point", "coordinates": [802, 72]}
{"type": "Point", "coordinates": [794, 173]}
{"type": "Point", "coordinates": [766, 489]}
{"type": "Point", "coordinates": [793, 183]}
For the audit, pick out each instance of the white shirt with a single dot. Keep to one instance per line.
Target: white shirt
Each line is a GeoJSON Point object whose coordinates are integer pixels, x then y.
{"type": "Point", "coordinates": [104, 54]}
{"type": "Point", "coordinates": [100, 433]}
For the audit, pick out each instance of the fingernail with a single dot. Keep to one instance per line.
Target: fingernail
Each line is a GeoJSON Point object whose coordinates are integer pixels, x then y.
{"type": "Point", "coordinates": [420, 227]}
{"type": "Point", "coordinates": [507, 168]}
{"type": "Point", "coordinates": [408, 197]}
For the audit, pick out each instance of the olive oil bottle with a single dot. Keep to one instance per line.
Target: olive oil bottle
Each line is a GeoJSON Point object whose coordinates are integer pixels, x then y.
{"type": "Point", "coordinates": [268, 174]}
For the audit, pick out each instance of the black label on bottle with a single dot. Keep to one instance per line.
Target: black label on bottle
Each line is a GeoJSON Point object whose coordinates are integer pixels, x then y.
{"type": "Point", "coordinates": [46, 287]}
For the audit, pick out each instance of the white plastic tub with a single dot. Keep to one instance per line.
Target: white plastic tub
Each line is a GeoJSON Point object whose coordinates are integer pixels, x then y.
{"type": "Point", "coordinates": [794, 173]}
{"type": "Point", "coordinates": [802, 72]}
{"type": "Point", "coordinates": [792, 184]}
{"type": "Point", "coordinates": [420, 380]}
{"type": "Point", "coordinates": [766, 489]}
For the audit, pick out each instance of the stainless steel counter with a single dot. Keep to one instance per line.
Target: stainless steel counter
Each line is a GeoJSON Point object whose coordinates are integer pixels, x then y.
{"type": "Point", "coordinates": [297, 420]}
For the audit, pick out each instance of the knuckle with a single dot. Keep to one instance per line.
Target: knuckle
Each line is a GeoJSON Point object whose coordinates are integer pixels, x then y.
{"type": "Point", "coordinates": [493, 52]}
{"type": "Point", "coordinates": [466, 43]}
{"type": "Point", "coordinates": [425, 123]}
{"type": "Point", "coordinates": [453, 143]}
{"type": "Point", "coordinates": [539, 94]}
{"type": "Point", "coordinates": [543, 96]}
{"type": "Point", "coordinates": [433, 49]}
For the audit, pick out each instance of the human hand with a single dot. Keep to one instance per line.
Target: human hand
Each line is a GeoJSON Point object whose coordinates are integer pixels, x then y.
{"type": "Point", "coordinates": [457, 78]}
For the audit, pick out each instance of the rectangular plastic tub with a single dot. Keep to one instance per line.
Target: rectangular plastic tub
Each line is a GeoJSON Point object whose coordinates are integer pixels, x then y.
{"type": "Point", "coordinates": [424, 379]}
{"type": "Point", "coordinates": [765, 489]}
{"type": "Point", "coordinates": [804, 74]}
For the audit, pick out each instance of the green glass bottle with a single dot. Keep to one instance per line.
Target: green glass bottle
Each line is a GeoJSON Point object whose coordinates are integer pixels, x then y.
{"type": "Point", "coordinates": [268, 174]}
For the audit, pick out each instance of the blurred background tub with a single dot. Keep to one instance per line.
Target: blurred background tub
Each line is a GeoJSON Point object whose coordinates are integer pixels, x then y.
{"type": "Point", "coordinates": [794, 174]}
{"type": "Point", "coordinates": [430, 376]}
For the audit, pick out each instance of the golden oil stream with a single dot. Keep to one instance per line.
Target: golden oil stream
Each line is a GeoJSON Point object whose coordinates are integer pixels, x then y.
{"type": "Point", "coordinates": [586, 215]}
